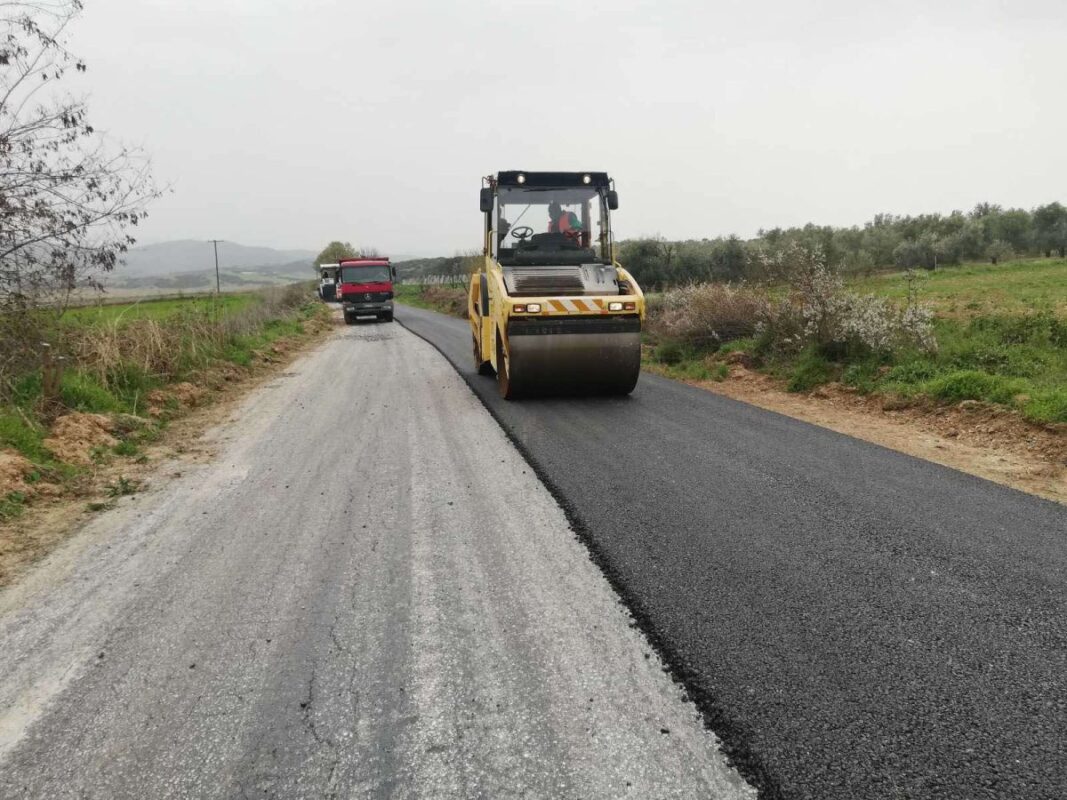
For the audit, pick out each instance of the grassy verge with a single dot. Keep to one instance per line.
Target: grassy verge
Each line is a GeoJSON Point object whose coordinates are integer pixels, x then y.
{"type": "Point", "coordinates": [451, 300]}
{"type": "Point", "coordinates": [1001, 335]}
{"type": "Point", "coordinates": [1011, 362]}
{"type": "Point", "coordinates": [136, 365]}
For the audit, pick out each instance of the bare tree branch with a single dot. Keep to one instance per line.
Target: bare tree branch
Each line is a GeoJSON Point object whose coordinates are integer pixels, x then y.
{"type": "Point", "coordinates": [68, 197]}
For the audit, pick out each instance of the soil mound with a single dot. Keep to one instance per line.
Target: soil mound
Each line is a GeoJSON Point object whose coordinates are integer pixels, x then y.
{"type": "Point", "coordinates": [75, 436]}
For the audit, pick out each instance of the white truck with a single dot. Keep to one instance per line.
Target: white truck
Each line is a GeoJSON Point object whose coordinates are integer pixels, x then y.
{"type": "Point", "coordinates": [328, 282]}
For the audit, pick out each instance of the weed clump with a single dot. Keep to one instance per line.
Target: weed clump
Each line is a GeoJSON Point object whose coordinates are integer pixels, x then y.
{"type": "Point", "coordinates": [973, 385]}
{"type": "Point", "coordinates": [670, 353]}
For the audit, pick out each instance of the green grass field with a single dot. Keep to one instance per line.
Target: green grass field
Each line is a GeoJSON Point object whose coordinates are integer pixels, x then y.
{"type": "Point", "coordinates": [101, 313]}
{"type": "Point", "coordinates": [1014, 287]}
{"type": "Point", "coordinates": [1002, 336]}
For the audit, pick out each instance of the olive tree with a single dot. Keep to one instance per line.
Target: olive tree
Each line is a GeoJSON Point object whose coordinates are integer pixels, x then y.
{"type": "Point", "coordinates": [1050, 228]}
{"type": "Point", "coordinates": [998, 250]}
{"type": "Point", "coordinates": [334, 252]}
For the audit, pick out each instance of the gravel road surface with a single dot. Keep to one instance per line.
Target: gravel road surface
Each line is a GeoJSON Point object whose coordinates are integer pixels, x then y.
{"type": "Point", "coordinates": [854, 623]}
{"type": "Point", "coordinates": [368, 593]}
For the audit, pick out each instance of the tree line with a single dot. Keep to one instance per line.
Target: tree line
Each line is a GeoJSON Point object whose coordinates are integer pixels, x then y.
{"type": "Point", "coordinates": [988, 232]}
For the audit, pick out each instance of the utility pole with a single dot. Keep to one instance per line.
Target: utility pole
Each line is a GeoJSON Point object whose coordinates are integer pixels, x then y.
{"type": "Point", "coordinates": [218, 282]}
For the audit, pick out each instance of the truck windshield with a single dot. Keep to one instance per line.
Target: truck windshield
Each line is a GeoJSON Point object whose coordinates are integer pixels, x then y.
{"type": "Point", "coordinates": [369, 274]}
{"type": "Point", "coordinates": [565, 225]}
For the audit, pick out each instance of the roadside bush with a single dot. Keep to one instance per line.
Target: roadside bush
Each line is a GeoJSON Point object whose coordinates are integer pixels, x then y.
{"type": "Point", "coordinates": [706, 315]}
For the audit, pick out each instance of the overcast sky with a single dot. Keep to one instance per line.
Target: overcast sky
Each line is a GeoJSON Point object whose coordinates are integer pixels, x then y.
{"type": "Point", "coordinates": [292, 123]}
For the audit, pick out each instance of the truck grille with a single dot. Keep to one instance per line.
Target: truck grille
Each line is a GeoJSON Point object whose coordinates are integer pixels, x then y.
{"type": "Point", "coordinates": [367, 297]}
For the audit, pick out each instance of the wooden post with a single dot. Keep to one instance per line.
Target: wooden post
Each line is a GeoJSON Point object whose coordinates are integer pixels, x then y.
{"type": "Point", "coordinates": [51, 376]}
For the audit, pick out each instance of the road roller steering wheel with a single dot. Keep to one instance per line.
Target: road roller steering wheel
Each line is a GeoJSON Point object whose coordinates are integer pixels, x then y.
{"type": "Point", "coordinates": [522, 233]}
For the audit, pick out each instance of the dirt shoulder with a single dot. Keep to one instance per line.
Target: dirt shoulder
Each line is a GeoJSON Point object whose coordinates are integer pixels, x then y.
{"type": "Point", "coordinates": [981, 440]}
{"type": "Point", "coordinates": [56, 513]}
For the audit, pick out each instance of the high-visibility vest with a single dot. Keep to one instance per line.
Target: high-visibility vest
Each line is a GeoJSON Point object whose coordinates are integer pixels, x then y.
{"type": "Point", "coordinates": [564, 223]}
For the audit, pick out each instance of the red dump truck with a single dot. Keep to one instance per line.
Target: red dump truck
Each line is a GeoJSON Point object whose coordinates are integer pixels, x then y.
{"type": "Point", "coordinates": [365, 288]}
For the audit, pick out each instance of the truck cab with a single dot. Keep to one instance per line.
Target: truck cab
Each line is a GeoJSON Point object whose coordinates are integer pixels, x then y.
{"type": "Point", "coordinates": [365, 288]}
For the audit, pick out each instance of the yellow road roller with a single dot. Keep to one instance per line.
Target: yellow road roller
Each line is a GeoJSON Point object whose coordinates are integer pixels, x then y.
{"type": "Point", "coordinates": [551, 310]}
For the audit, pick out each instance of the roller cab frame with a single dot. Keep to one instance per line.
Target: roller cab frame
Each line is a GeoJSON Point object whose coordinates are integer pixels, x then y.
{"type": "Point", "coordinates": [551, 310]}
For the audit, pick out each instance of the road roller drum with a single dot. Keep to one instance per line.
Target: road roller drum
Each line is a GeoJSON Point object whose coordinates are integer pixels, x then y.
{"type": "Point", "coordinates": [551, 310]}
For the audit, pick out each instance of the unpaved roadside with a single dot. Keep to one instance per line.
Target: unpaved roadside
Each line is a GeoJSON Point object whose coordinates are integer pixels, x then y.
{"type": "Point", "coordinates": [57, 511]}
{"type": "Point", "coordinates": [991, 443]}
{"type": "Point", "coordinates": [365, 593]}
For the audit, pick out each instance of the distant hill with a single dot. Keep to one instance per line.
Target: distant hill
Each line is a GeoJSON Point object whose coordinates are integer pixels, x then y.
{"type": "Point", "coordinates": [190, 255]}
{"type": "Point", "coordinates": [189, 265]}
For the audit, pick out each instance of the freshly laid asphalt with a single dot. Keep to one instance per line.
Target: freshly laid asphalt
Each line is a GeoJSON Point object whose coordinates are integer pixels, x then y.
{"type": "Point", "coordinates": [851, 621]}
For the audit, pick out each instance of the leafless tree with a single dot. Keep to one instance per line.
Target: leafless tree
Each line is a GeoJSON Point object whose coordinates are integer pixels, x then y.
{"type": "Point", "coordinates": [68, 197]}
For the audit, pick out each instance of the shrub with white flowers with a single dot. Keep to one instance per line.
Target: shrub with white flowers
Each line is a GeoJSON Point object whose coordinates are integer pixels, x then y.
{"type": "Point", "coordinates": [820, 311]}
{"type": "Point", "coordinates": [817, 310]}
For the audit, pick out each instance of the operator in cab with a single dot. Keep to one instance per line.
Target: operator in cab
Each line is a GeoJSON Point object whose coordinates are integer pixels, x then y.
{"type": "Point", "coordinates": [560, 221]}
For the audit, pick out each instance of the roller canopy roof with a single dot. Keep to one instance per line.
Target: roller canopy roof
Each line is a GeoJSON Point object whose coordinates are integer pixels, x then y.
{"type": "Point", "coordinates": [551, 179]}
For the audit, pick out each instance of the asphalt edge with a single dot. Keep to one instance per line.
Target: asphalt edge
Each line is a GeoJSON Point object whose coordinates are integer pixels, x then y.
{"type": "Point", "coordinates": [733, 738]}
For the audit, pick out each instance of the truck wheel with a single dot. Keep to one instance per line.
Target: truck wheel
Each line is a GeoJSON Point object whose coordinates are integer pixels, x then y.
{"type": "Point", "coordinates": [503, 375]}
{"type": "Point", "coordinates": [387, 316]}
{"type": "Point", "coordinates": [480, 366]}
{"type": "Point", "coordinates": [349, 319]}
